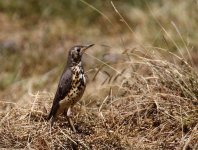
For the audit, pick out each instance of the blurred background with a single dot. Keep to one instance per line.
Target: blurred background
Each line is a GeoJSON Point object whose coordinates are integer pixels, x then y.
{"type": "Point", "coordinates": [36, 35]}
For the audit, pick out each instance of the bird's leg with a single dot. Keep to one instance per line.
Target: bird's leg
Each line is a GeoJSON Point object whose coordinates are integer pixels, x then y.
{"type": "Point", "coordinates": [69, 119]}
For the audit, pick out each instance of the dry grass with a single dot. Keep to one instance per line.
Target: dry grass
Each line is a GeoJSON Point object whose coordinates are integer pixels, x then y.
{"type": "Point", "coordinates": [152, 106]}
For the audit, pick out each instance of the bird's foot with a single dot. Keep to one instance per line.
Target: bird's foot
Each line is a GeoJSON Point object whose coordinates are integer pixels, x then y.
{"type": "Point", "coordinates": [71, 124]}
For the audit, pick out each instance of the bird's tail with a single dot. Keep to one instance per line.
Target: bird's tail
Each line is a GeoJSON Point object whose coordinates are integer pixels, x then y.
{"type": "Point", "coordinates": [52, 112]}
{"type": "Point", "coordinates": [52, 115]}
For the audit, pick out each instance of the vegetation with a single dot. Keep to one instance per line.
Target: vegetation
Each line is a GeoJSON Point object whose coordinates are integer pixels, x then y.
{"type": "Point", "coordinates": [142, 90]}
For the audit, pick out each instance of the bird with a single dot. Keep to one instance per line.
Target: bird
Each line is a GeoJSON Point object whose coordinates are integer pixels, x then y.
{"type": "Point", "coordinates": [71, 86]}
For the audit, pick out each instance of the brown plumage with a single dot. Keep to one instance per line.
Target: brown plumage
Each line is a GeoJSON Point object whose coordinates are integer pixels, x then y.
{"type": "Point", "coordinates": [71, 85]}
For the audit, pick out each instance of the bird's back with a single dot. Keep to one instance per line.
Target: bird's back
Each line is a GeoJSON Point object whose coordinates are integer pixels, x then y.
{"type": "Point", "coordinates": [63, 89]}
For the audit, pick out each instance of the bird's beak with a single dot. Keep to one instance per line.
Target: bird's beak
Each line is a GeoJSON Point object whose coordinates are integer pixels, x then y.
{"type": "Point", "coordinates": [86, 47]}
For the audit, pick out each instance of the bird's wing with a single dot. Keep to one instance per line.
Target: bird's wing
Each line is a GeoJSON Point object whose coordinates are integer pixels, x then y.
{"type": "Point", "coordinates": [64, 85]}
{"type": "Point", "coordinates": [63, 88]}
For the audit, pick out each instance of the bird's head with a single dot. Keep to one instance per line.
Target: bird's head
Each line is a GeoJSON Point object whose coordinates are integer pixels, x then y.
{"type": "Point", "coordinates": [76, 52]}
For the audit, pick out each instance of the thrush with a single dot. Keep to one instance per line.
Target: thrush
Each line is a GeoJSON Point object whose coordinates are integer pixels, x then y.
{"type": "Point", "coordinates": [71, 85]}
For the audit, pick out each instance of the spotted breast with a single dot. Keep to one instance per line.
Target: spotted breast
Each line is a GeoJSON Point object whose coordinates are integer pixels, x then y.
{"type": "Point", "coordinates": [78, 84]}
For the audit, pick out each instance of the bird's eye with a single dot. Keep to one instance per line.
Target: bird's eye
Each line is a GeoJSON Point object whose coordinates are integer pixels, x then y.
{"type": "Point", "coordinates": [78, 49]}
